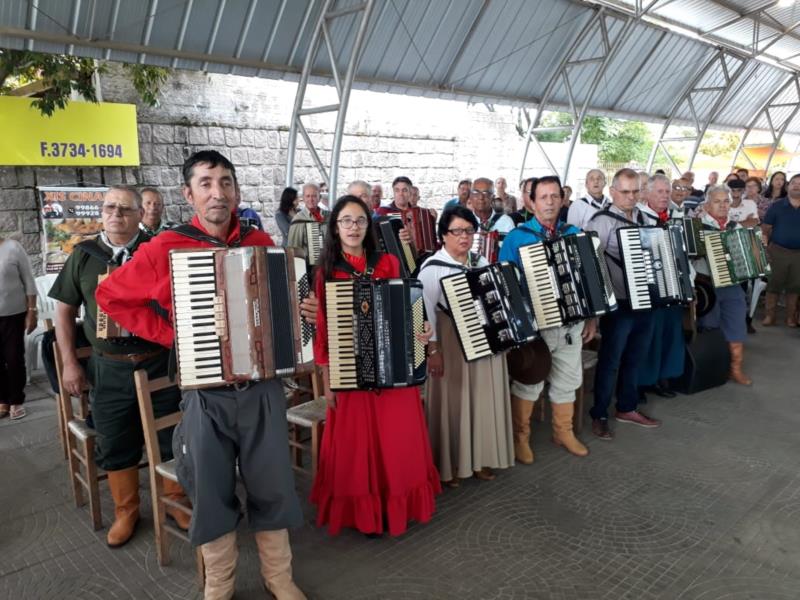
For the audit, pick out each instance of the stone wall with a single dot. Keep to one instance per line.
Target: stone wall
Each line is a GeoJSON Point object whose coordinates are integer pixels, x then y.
{"type": "Point", "coordinates": [433, 142]}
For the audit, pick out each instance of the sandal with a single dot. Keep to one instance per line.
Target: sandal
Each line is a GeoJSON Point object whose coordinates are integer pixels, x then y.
{"type": "Point", "coordinates": [17, 412]}
{"type": "Point", "coordinates": [485, 474]}
{"type": "Point", "coordinates": [453, 483]}
{"type": "Point", "coordinates": [3, 410]}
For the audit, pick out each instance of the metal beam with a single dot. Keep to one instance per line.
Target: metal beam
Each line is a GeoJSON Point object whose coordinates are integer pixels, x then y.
{"type": "Point", "coordinates": [560, 78]}
{"type": "Point", "coordinates": [344, 85]}
{"type": "Point", "coordinates": [464, 42]}
{"type": "Point", "coordinates": [791, 82]}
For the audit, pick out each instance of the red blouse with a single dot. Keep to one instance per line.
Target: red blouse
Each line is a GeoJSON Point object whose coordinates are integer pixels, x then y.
{"type": "Point", "coordinates": [388, 267]}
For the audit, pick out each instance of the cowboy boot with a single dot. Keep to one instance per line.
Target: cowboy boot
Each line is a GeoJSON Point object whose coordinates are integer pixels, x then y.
{"type": "Point", "coordinates": [521, 411]}
{"type": "Point", "coordinates": [275, 555]}
{"type": "Point", "coordinates": [219, 559]}
{"type": "Point", "coordinates": [174, 491]}
{"type": "Point", "coordinates": [737, 358]}
{"type": "Point", "coordinates": [770, 306]}
{"type": "Point", "coordinates": [563, 434]}
{"type": "Point", "coordinates": [791, 310]}
{"type": "Point", "coordinates": [124, 486]}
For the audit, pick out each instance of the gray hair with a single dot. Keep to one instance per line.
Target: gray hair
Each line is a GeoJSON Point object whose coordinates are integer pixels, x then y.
{"type": "Point", "coordinates": [651, 182]}
{"type": "Point", "coordinates": [359, 183]}
{"type": "Point", "coordinates": [310, 185]}
{"type": "Point", "coordinates": [128, 189]}
{"type": "Point", "coordinates": [717, 189]}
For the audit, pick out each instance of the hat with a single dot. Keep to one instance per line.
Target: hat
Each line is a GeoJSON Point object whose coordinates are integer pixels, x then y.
{"type": "Point", "coordinates": [530, 364]}
{"type": "Point", "coordinates": [736, 184]}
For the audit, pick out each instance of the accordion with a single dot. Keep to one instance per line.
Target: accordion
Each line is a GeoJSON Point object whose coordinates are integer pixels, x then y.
{"type": "Point", "coordinates": [655, 266]}
{"type": "Point", "coordinates": [314, 239]}
{"type": "Point", "coordinates": [236, 315]}
{"type": "Point", "coordinates": [567, 279]}
{"type": "Point", "coordinates": [422, 225]}
{"type": "Point", "coordinates": [389, 239]}
{"type": "Point", "coordinates": [735, 255]}
{"type": "Point", "coordinates": [489, 310]}
{"type": "Point", "coordinates": [487, 244]}
{"type": "Point", "coordinates": [692, 235]}
{"type": "Point", "coordinates": [107, 328]}
{"type": "Point", "coordinates": [372, 327]}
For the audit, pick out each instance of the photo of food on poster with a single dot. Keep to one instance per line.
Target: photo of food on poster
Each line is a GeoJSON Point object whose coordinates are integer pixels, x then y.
{"type": "Point", "coordinates": [70, 215]}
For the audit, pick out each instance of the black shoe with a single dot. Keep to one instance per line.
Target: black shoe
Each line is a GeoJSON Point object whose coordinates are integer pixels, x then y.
{"type": "Point", "coordinates": [750, 328]}
{"type": "Point", "coordinates": [663, 392]}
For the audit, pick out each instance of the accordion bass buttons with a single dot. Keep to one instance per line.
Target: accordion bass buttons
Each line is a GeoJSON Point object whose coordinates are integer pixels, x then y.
{"type": "Point", "coordinates": [219, 317]}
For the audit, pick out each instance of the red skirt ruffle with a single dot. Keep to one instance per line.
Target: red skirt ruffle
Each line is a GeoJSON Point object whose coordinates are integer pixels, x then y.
{"type": "Point", "coordinates": [375, 463]}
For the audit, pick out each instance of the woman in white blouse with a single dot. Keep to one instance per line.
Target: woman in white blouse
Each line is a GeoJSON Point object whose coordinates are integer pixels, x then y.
{"type": "Point", "coordinates": [468, 408]}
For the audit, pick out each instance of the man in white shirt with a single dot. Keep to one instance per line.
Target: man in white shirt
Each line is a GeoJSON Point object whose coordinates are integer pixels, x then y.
{"type": "Point", "coordinates": [742, 211]}
{"type": "Point", "coordinates": [583, 208]}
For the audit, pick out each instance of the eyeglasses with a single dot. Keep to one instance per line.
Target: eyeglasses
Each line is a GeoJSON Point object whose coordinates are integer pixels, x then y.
{"type": "Point", "coordinates": [484, 193]}
{"type": "Point", "coordinates": [111, 209]}
{"type": "Point", "coordinates": [681, 188]}
{"type": "Point", "coordinates": [627, 192]}
{"type": "Point", "coordinates": [347, 222]}
{"type": "Point", "coordinates": [459, 231]}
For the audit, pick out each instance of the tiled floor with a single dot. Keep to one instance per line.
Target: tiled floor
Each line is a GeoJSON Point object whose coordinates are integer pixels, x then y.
{"type": "Point", "coordinates": [705, 508]}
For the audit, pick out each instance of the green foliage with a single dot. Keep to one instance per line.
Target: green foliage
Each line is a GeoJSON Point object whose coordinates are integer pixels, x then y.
{"type": "Point", "coordinates": [61, 75]}
{"type": "Point", "coordinates": [619, 141]}
{"type": "Point", "coordinates": [555, 120]}
{"type": "Point", "coordinates": [719, 143]}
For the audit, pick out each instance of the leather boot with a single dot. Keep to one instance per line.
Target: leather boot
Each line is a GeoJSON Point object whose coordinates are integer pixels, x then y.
{"type": "Point", "coordinates": [770, 306]}
{"type": "Point", "coordinates": [563, 434]}
{"type": "Point", "coordinates": [124, 486]}
{"type": "Point", "coordinates": [521, 411]}
{"type": "Point", "coordinates": [737, 358]}
{"type": "Point", "coordinates": [275, 555]}
{"type": "Point", "coordinates": [174, 491]}
{"type": "Point", "coordinates": [791, 310]}
{"type": "Point", "coordinates": [219, 559]}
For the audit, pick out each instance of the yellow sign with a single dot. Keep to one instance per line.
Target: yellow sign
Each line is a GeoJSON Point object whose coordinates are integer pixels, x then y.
{"type": "Point", "coordinates": [82, 134]}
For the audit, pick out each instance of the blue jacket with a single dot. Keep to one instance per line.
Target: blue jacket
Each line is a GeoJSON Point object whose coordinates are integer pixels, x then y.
{"type": "Point", "coordinates": [530, 232]}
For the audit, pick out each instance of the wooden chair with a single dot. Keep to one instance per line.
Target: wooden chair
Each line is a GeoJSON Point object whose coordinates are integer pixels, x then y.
{"type": "Point", "coordinates": [84, 475]}
{"type": "Point", "coordinates": [160, 469]}
{"type": "Point", "coordinates": [309, 415]}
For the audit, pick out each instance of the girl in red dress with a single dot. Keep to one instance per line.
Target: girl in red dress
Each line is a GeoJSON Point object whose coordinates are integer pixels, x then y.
{"type": "Point", "coordinates": [376, 469]}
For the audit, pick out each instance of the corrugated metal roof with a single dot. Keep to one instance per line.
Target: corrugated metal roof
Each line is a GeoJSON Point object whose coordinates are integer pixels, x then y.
{"type": "Point", "coordinates": [477, 50]}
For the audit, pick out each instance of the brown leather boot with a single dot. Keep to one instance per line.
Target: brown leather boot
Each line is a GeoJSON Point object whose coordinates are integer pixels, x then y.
{"type": "Point", "coordinates": [770, 306]}
{"type": "Point", "coordinates": [791, 310]}
{"type": "Point", "coordinates": [124, 486]}
{"type": "Point", "coordinates": [563, 434]}
{"type": "Point", "coordinates": [174, 491]}
{"type": "Point", "coordinates": [521, 411]}
{"type": "Point", "coordinates": [737, 358]}
{"type": "Point", "coordinates": [219, 559]}
{"type": "Point", "coordinates": [275, 555]}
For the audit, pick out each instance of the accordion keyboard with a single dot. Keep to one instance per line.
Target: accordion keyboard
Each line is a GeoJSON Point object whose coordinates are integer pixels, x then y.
{"type": "Point", "coordinates": [636, 269]}
{"type": "Point", "coordinates": [717, 260]}
{"type": "Point", "coordinates": [341, 334]}
{"type": "Point", "coordinates": [468, 314]}
{"type": "Point", "coordinates": [542, 288]}
{"type": "Point", "coordinates": [198, 333]}
{"type": "Point", "coordinates": [314, 239]}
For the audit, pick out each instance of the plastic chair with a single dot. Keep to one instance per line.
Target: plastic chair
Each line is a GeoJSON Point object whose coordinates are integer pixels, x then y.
{"type": "Point", "coordinates": [47, 314]}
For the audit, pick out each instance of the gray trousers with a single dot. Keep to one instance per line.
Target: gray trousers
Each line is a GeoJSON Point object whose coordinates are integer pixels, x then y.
{"type": "Point", "coordinates": [220, 428]}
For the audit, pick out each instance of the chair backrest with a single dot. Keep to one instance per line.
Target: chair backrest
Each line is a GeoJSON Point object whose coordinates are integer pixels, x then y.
{"type": "Point", "coordinates": [64, 397]}
{"type": "Point", "coordinates": [150, 425]}
{"type": "Point", "coordinates": [45, 304]}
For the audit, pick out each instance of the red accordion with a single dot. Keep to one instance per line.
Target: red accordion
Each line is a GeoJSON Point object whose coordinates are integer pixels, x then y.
{"type": "Point", "coordinates": [421, 223]}
{"type": "Point", "coordinates": [487, 244]}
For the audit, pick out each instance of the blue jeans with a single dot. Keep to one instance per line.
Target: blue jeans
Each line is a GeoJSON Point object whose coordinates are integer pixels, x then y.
{"type": "Point", "coordinates": [626, 335]}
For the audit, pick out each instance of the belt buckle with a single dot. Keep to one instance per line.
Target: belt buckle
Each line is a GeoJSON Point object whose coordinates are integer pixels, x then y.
{"type": "Point", "coordinates": [240, 386]}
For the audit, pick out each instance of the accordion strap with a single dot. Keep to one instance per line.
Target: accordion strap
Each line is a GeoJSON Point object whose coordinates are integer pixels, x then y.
{"type": "Point", "coordinates": [192, 232]}
{"type": "Point", "coordinates": [93, 249]}
{"type": "Point", "coordinates": [607, 212]}
{"type": "Point", "coordinates": [372, 260]}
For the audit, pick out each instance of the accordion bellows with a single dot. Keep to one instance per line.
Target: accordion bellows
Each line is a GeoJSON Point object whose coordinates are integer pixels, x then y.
{"type": "Point", "coordinates": [236, 315]}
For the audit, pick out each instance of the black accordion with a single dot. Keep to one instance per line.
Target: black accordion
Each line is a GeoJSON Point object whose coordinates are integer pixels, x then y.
{"type": "Point", "coordinates": [372, 327]}
{"type": "Point", "coordinates": [489, 310]}
{"type": "Point", "coordinates": [735, 256]}
{"type": "Point", "coordinates": [692, 235]}
{"type": "Point", "coordinates": [656, 266]}
{"type": "Point", "coordinates": [389, 239]}
{"type": "Point", "coordinates": [237, 315]}
{"type": "Point", "coordinates": [567, 279]}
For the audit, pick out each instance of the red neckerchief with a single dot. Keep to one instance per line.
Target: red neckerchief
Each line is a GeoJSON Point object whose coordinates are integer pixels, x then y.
{"type": "Point", "coordinates": [359, 263]}
{"type": "Point", "coordinates": [663, 216]}
{"type": "Point", "coordinates": [549, 229]}
{"type": "Point", "coordinates": [316, 213]}
{"type": "Point", "coordinates": [722, 222]}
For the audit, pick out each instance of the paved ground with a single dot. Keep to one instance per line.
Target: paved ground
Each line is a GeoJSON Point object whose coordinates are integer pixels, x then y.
{"type": "Point", "coordinates": [707, 507]}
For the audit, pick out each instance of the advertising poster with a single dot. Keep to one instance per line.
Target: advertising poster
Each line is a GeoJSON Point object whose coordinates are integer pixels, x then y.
{"type": "Point", "coordinates": [69, 215]}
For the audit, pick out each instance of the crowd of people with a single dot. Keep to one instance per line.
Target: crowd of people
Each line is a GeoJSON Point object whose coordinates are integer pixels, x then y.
{"type": "Point", "coordinates": [386, 453]}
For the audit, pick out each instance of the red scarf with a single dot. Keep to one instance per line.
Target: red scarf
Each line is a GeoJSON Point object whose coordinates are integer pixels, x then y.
{"type": "Point", "coordinates": [663, 216]}
{"type": "Point", "coordinates": [316, 213]}
{"type": "Point", "coordinates": [722, 222]}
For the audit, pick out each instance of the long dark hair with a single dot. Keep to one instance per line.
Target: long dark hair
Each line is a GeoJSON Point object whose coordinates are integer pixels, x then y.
{"type": "Point", "coordinates": [784, 191]}
{"type": "Point", "coordinates": [288, 197]}
{"type": "Point", "coordinates": [332, 250]}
